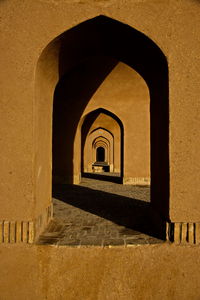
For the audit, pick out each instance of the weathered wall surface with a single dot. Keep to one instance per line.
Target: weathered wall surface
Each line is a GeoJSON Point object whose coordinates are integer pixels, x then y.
{"type": "Point", "coordinates": [184, 112]}
{"type": "Point", "coordinates": [138, 273]}
{"type": "Point", "coordinates": [26, 29]}
{"type": "Point", "coordinates": [142, 272]}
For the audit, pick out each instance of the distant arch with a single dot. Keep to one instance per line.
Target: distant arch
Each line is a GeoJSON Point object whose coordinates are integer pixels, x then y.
{"type": "Point", "coordinates": [101, 128]}
{"type": "Point", "coordinates": [86, 132]}
{"type": "Point", "coordinates": [100, 154]}
{"type": "Point", "coordinates": [101, 141]}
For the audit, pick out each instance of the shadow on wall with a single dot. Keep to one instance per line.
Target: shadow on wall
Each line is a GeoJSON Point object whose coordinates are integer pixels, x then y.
{"type": "Point", "coordinates": [128, 212]}
{"type": "Point", "coordinates": [88, 53]}
{"type": "Point", "coordinates": [72, 94]}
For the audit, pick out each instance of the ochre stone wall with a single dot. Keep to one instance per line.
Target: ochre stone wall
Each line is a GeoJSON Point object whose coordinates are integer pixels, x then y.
{"type": "Point", "coordinates": [28, 81]}
{"type": "Point", "coordinates": [29, 74]}
{"type": "Point", "coordinates": [137, 273]}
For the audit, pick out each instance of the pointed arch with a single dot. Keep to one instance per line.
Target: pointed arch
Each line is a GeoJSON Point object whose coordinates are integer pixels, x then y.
{"type": "Point", "coordinates": [87, 122]}
{"type": "Point", "coordinates": [95, 46]}
{"type": "Point", "coordinates": [101, 128]}
{"type": "Point", "coordinates": [102, 141]}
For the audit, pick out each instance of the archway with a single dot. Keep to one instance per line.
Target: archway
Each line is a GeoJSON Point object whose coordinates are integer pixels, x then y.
{"type": "Point", "coordinates": [100, 154]}
{"type": "Point", "coordinates": [105, 126]}
{"type": "Point", "coordinates": [70, 62]}
{"type": "Point", "coordinates": [101, 142]}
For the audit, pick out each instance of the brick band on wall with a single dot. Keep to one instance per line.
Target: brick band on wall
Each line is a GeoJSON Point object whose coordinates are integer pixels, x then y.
{"type": "Point", "coordinates": [24, 231]}
{"type": "Point", "coordinates": [183, 233]}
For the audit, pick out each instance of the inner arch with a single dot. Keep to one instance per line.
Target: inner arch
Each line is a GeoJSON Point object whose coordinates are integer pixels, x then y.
{"type": "Point", "coordinates": [100, 154]}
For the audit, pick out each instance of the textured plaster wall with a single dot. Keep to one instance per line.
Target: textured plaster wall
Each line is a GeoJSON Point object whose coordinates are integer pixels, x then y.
{"type": "Point", "coordinates": [184, 78]}
{"type": "Point", "coordinates": [26, 28]}
{"type": "Point", "coordinates": [141, 272]}
{"type": "Point", "coordinates": [138, 273]}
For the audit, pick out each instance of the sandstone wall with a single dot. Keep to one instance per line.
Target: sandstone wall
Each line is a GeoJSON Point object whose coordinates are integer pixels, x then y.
{"type": "Point", "coordinates": [27, 88]}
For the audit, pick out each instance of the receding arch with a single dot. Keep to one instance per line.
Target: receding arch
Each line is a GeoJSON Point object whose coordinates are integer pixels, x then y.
{"type": "Point", "coordinates": [108, 139]}
{"type": "Point", "coordinates": [100, 154]}
{"type": "Point", "coordinates": [101, 128]}
{"type": "Point", "coordinates": [100, 138]}
{"type": "Point", "coordinates": [106, 42]}
{"type": "Point", "coordinates": [86, 132]}
{"type": "Point", "coordinates": [104, 142]}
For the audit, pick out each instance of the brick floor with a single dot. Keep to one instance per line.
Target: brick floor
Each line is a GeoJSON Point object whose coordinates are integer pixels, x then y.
{"type": "Point", "coordinates": [100, 213]}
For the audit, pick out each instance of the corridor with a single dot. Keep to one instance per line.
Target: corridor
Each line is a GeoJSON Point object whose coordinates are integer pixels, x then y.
{"type": "Point", "coordinates": [101, 213]}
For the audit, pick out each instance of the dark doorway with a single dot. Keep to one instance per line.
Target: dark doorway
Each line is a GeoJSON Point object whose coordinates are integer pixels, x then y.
{"type": "Point", "coordinates": [100, 154]}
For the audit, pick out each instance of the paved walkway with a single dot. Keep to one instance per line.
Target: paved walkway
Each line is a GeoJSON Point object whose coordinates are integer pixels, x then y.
{"type": "Point", "coordinates": [100, 213]}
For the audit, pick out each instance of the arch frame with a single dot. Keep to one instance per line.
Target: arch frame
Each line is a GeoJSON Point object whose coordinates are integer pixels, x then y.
{"type": "Point", "coordinates": [46, 91]}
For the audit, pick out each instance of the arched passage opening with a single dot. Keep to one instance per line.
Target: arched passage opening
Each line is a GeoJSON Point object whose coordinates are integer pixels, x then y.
{"type": "Point", "coordinates": [101, 157]}
{"type": "Point", "coordinates": [103, 125]}
{"type": "Point", "coordinates": [100, 154]}
{"type": "Point", "coordinates": [101, 142]}
{"type": "Point", "coordinates": [69, 72]}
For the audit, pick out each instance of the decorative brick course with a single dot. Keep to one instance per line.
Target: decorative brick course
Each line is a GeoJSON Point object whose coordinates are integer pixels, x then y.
{"type": "Point", "coordinates": [24, 231]}
{"type": "Point", "coordinates": [183, 233]}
